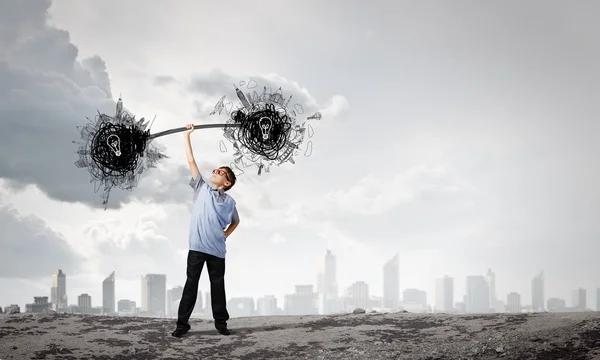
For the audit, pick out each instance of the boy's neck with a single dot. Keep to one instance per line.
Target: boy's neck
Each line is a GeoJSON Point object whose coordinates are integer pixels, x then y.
{"type": "Point", "coordinates": [217, 187]}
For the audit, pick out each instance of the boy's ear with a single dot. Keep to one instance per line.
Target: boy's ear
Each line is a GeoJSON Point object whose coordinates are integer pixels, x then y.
{"type": "Point", "coordinates": [227, 183]}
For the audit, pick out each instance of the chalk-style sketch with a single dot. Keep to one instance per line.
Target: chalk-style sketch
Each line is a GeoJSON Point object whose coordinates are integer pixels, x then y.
{"type": "Point", "coordinates": [117, 149]}
{"type": "Point", "coordinates": [309, 147]}
{"type": "Point", "coordinates": [252, 84]}
{"type": "Point", "coordinates": [311, 131]}
{"type": "Point", "coordinates": [316, 116]}
{"type": "Point", "coordinates": [264, 131]}
{"type": "Point", "coordinates": [222, 146]}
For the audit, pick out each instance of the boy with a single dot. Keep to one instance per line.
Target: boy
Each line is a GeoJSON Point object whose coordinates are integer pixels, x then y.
{"type": "Point", "coordinates": [214, 217]}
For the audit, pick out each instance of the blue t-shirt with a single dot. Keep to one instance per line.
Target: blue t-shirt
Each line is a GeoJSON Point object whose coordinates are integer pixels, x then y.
{"type": "Point", "coordinates": [212, 212]}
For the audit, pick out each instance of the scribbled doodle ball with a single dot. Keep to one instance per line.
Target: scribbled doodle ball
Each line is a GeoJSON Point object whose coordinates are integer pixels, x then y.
{"type": "Point", "coordinates": [263, 131]}
{"type": "Point", "coordinates": [116, 148]}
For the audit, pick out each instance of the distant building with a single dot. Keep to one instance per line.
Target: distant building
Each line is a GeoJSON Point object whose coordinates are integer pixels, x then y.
{"type": "Point", "coordinates": [108, 294]}
{"type": "Point", "coordinates": [513, 302]}
{"type": "Point", "coordinates": [537, 293]}
{"type": "Point", "coordinates": [598, 299]}
{"type": "Point", "coordinates": [444, 294]}
{"type": "Point", "coordinates": [208, 307]}
{"type": "Point", "coordinates": [240, 307]}
{"type": "Point", "coordinates": [478, 295]}
{"type": "Point", "coordinates": [199, 306]}
{"type": "Point", "coordinates": [84, 302]}
{"type": "Point", "coordinates": [491, 281]}
{"type": "Point", "coordinates": [376, 302]}
{"type": "Point", "coordinates": [58, 291]}
{"type": "Point", "coordinates": [391, 283]}
{"type": "Point", "coordinates": [357, 296]}
{"type": "Point", "coordinates": [267, 305]}
{"type": "Point", "coordinates": [461, 306]}
{"type": "Point", "coordinates": [328, 294]}
{"type": "Point", "coordinates": [556, 305]}
{"type": "Point", "coordinates": [40, 305]}
{"type": "Point", "coordinates": [154, 294]}
{"type": "Point", "coordinates": [174, 297]}
{"type": "Point", "coordinates": [302, 302]}
{"type": "Point", "coordinates": [126, 306]}
{"type": "Point", "coordinates": [330, 276]}
{"type": "Point", "coordinates": [579, 299]}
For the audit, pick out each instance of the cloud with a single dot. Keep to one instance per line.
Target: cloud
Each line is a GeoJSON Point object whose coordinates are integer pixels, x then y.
{"type": "Point", "coordinates": [45, 92]}
{"type": "Point", "coordinates": [209, 87]}
{"type": "Point", "coordinates": [374, 195]}
{"type": "Point", "coordinates": [32, 250]}
{"type": "Point", "coordinates": [132, 248]}
{"type": "Point", "coordinates": [164, 80]}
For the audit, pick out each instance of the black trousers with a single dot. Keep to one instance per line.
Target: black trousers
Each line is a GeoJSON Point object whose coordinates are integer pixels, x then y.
{"type": "Point", "coordinates": [216, 274]}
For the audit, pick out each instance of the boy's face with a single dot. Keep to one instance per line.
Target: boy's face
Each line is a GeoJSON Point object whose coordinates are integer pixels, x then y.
{"type": "Point", "coordinates": [220, 178]}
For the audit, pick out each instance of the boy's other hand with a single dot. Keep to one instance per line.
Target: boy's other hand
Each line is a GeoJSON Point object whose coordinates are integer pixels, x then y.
{"type": "Point", "coordinates": [190, 129]}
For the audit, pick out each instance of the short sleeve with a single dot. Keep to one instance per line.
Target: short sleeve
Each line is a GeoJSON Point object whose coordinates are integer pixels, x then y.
{"type": "Point", "coordinates": [196, 183]}
{"type": "Point", "coordinates": [235, 217]}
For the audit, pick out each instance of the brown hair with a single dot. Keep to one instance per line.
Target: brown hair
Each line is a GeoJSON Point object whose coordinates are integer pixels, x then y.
{"type": "Point", "coordinates": [230, 176]}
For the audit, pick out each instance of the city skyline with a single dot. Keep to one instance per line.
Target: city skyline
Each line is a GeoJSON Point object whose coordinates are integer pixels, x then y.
{"type": "Point", "coordinates": [461, 136]}
{"type": "Point", "coordinates": [480, 297]}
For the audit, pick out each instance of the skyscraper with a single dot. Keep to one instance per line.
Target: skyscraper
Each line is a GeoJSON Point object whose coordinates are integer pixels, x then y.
{"type": "Point", "coordinates": [330, 276]}
{"type": "Point", "coordinates": [580, 299]}
{"type": "Point", "coordinates": [444, 294]}
{"type": "Point", "coordinates": [478, 295]}
{"type": "Point", "coordinates": [514, 302]}
{"type": "Point", "coordinates": [358, 295]}
{"type": "Point", "coordinates": [537, 293]}
{"type": "Point", "coordinates": [208, 306]}
{"type": "Point", "coordinates": [154, 293]}
{"type": "Point", "coordinates": [491, 280]}
{"type": "Point", "coordinates": [84, 301]}
{"type": "Point", "coordinates": [58, 292]}
{"type": "Point", "coordinates": [174, 297]}
{"type": "Point", "coordinates": [391, 283]}
{"type": "Point", "coordinates": [108, 294]}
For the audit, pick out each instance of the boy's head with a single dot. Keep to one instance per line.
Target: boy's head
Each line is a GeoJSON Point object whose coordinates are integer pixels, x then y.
{"type": "Point", "coordinates": [223, 178]}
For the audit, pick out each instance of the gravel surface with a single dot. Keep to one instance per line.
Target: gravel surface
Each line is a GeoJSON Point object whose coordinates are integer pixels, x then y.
{"type": "Point", "coordinates": [541, 336]}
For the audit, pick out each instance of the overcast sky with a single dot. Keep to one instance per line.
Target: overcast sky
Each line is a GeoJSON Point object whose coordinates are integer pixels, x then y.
{"type": "Point", "coordinates": [462, 135]}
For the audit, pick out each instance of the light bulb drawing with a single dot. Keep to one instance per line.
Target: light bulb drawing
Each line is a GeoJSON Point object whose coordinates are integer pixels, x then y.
{"type": "Point", "coordinates": [115, 144]}
{"type": "Point", "coordinates": [265, 125]}
{"type": "Point", "coordinates": [316, 116]}
{"type": "Point", "coordinates": [263, 131]}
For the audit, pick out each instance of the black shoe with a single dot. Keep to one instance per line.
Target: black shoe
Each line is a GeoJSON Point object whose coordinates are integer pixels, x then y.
{"type": "Point", "coordinates": [223, 331]}
{"type": "Point", "coordinates": [179, 332]}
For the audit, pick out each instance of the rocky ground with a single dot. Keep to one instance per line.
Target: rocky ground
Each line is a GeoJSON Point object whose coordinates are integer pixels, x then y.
{"type": "Point", "coordinates": [543, 336]}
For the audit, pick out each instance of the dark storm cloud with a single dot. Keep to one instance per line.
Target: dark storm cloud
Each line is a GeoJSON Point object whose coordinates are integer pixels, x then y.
{"type": "Point", "coordinates": [29, 249]}
{"type": "Point", "coordinates": [45, 93]}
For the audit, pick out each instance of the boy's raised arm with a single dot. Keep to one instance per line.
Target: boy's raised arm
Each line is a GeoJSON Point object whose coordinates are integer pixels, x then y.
{"type": "Point", "coordinates": [188, 151]}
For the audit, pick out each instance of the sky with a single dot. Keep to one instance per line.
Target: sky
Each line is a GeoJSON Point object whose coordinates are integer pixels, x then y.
{"type": "Point", "coordinates": [460, 135]}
